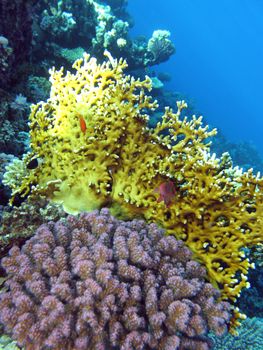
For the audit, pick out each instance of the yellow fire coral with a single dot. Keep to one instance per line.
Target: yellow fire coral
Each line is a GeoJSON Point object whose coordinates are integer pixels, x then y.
{"type": "Point", "coordinates": [94, 149]}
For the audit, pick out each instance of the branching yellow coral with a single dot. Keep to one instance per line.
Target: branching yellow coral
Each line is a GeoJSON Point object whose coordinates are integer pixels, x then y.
{"type": "Point", "coordinates": [95, 149]}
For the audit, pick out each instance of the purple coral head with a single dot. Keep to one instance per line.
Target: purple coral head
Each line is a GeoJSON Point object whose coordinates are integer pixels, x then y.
{"type": "Point", "coordinates": [94, 282]}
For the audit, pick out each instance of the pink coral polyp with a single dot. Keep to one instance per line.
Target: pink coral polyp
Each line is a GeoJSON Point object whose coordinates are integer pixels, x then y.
{"type": "Point", "coordinates": [94, 282]}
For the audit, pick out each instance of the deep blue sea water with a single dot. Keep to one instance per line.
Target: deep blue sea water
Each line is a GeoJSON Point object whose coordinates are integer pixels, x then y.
{"type": "Point", "coordinates": [219, 58]}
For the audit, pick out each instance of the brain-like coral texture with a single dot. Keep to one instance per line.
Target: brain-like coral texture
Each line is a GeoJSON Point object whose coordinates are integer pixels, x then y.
{"type": "Point", "coordinates": [249, 337]}
{"type": "Point", "coordinates": [94, 282]}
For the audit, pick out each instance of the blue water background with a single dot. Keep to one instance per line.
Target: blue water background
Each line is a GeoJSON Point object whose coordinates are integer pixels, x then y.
{"type": "Point", "coordinates": [219, 58]}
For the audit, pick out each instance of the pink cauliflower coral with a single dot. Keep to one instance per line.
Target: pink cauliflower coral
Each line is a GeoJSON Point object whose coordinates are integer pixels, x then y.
{"type": "Point", "coordinates": [94, 282]}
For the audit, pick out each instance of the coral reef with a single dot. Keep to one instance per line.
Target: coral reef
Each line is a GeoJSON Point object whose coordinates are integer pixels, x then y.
{"type": "Point", "coordinates": [5, 58]}
{"type": "Point", "coordinates": [251, 300]}
{"type": "Point", "coordinates": [112, 34]}
{"type": "Point", "coordinates": [96, 282]}
{"type": "Point", "coordinates": [243, 154]}
{"type": "Point", "coordinates": [118, 8]}
{"type": "Point", "coordinates": [67, 22]}
{"type": "Point", "coordinates": [58, 23]}
{"type": "Point", "coordinates": [37, 88]}
{"type": "Point", "coordinates": [4, 191]}
{"type": "Point", "coordinates": [94, 26]}
{"type": "Point", "coordinates": [8, 132]}
{"type": "Point", "coordinates": [19, 223]}
{"type": "Point", "coordinates": [70, 55]}
{"type": "Point", "coordinates": [94, 149]}
{"type": "Point", "coordinates": [35, 35]}
{"type": "Point", "coordinates": [13, 123]}
{"type": "Point", "coordinates": [256, 254]}
{"type": "Point", "coordinates": [16, 27]}
{"type": "Point", "coordinates": [250, 337]}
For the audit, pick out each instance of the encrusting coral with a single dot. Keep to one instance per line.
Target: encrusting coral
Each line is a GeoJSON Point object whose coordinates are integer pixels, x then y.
{"type": "Point", "coordinates": [93, 149]}
{"type": "Point", "coordinates": [250, 337]}
{"type": "Point", "coordinates": [95, 282]}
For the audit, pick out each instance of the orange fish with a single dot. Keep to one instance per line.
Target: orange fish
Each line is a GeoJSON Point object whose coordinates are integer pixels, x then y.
{"type": "Point", "coordinates": [82, 124]}
{"type": "Point", "coordinates": [166, 192]}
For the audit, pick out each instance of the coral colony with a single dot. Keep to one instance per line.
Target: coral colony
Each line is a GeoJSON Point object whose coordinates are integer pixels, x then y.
{"type": "Point", "coordinates": [126, 231]}
{"type": "Point", "coordinates": [95, 282]}
{"type": "Point", "coordinates": [94, 150]}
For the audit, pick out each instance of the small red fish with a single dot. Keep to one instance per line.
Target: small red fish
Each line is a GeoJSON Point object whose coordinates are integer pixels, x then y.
{"type": "Point", "coordinates": [166, 192]}
{"type": "Point", "coordinates": [82, 124]}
